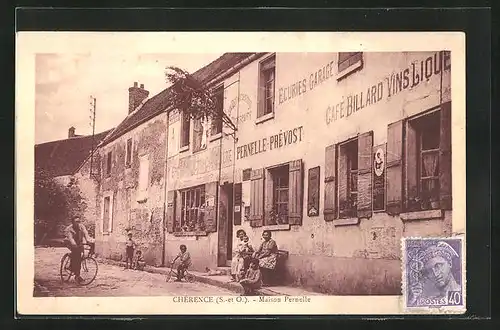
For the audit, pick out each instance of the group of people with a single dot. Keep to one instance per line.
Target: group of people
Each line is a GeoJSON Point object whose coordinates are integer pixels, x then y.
{"type": "Point", "coordinates": [253, 268]}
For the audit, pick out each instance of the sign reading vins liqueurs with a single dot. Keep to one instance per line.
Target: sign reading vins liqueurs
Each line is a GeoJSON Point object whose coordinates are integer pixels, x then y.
{"type": "Point", "coordinates": [313, 192]}
{"type": "Point", "coordinates": [379, 166]}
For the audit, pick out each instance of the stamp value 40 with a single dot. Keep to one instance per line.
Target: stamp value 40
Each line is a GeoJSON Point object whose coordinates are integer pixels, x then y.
{"type": "Point", "coordinates": [433, 274]}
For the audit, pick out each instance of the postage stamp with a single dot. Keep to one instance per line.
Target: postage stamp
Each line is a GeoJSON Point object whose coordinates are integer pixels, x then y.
{"type": "Point", "coordinates": [433, 274]}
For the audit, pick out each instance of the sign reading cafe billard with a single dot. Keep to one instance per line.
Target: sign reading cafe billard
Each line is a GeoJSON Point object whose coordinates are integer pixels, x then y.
{"type": "Point", "coordinates": [410, 77]}
{"type": "Point", "coordinates": [275, 141]}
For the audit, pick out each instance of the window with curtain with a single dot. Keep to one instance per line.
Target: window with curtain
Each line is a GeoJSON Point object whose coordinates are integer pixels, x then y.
{"type": "Point", "coordinates": [267, 86]}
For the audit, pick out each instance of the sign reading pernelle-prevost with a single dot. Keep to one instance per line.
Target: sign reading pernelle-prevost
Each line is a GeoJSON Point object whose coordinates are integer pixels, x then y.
{"type": "Point", "coordinates": [379, 177]}
{"type": "Point", "coordinates": [275, 141]}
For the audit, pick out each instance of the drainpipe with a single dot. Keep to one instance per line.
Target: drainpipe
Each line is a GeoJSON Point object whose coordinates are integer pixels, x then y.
{"type": "Point", "coordinates": [165, 176]}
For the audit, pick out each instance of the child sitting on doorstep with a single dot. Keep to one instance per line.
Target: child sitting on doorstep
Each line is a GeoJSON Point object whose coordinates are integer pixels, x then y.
{"type": "Point", "coordinates": [139, 262]}
{"type": "Point", "coordinates": [252, 280]}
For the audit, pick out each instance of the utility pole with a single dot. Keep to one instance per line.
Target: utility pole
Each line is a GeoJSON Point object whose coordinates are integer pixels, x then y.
{"type": "Point", "coordinates": [92, 123]}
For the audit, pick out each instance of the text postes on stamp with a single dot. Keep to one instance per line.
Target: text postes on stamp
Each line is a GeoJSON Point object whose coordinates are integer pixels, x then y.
{"type": "Point", "coordinates": [433, 276]}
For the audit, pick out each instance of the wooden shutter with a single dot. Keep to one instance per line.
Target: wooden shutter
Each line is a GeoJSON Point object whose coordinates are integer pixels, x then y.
{"type": "Point", "coordinates": [178, 209]}
{"type": "Point", "coordinates": [394, 167]}
{"type": "Point", "coordinates": [211, 208]}
{"type": "Point", "coordinates": [295, 192]}
{"type": "Point", "coordinates": [342, 181]}
{"type": "Point", "coordinates": [365, 161]}
{"type": "Point", "coordinates": [268, 199]}
{"type": "Point", "coordinates": [411, 165]}
{"type": "Point", "coordinates": [445, 157]}
{"type": "Point", "coordinates": [237, 204]}
{"type": "Point", "coordinates": [330, 207]}
{"type": "Point", "coordinates": [257, 198]}
{"type": "Point", "coordinates": [171, 211]}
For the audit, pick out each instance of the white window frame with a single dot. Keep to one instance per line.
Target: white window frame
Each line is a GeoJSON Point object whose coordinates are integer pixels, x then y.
{"type": "Point", "coordinates": [108, 194]}
{"type": "Point", "coordinates": [131, 152]}
{"type": "Point", "coordinates": [142, 194]}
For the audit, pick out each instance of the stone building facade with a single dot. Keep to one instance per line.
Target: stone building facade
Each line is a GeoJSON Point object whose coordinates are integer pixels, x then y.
{"type": "Point", "coordinates": [340, 155]}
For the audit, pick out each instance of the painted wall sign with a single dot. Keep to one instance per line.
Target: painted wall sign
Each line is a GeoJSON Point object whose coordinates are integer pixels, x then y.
{"type": "Point", "coordinates": [379, 177]}
{"type": "Point", "coordinates": [244, 112]}
{"type": "Point", "coordinates": [274, 141]}
{"type": "Point", "coordinates": [313, 192]}
{"type": "Point", "coordinates": [204, 161]}
{"type": "Point", "coordinates": [391, 85]}
{"type": "Point", "coordinates": [314, 79]}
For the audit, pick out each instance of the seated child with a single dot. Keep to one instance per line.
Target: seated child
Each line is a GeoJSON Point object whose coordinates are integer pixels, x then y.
{"type": "Point", "coordinates": [139, 262]}
{"type": "Point", "coordinates": [252, 280]}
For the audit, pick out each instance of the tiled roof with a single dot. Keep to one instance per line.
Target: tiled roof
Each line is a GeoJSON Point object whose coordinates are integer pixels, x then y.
{"type": "Point", "coordinates": [64, 157]}
{"type": "Point", "coordinates": [158, 103]}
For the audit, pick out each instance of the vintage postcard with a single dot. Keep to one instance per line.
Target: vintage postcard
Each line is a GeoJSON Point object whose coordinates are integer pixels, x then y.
{"type": "Point", "coordinates": [240, 173]}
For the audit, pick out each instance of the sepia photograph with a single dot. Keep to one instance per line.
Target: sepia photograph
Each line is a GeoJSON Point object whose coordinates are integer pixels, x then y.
{"type": "Point", "coordinates": [287, 175]}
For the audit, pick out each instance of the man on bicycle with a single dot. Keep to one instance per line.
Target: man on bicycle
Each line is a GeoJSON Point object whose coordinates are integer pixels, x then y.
{"type": "Point", "coordinates": [76, 234]}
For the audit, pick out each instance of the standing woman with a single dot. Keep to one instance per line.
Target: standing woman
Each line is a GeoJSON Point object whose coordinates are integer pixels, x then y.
{"type": "Point", "coordinates": [237, 261]}
{"type": "Point", "coordinates": [267, 255]}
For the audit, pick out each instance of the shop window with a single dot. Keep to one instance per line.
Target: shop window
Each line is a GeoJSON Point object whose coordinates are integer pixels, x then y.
{"type": "Point", "coordinates": [185, 127]}
{"type": "Point", "coordinates": [423, 136]}
{"type": "Point", "coordinates": [128, 153]}
{"type": "Point", "coordinates": [216, 125]}
{"type": "Point", "coordinates": [348, 62]}
{"type": "Point", "coordinates": [192, 202]}
{"type": "Point", "coordinates": [267, 72]}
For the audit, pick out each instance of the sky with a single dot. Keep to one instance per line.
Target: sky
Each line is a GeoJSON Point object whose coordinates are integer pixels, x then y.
{"type": "Point", "coordinates": [64, 83]}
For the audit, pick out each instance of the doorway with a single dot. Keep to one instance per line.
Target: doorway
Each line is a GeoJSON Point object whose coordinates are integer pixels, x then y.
{"type": "Point", "coordinates": [225, 225]}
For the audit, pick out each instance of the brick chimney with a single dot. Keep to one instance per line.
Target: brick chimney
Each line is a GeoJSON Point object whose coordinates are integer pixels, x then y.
{"type": "Point", "coordinates": [71, 132]}
{"type": "Point", "coordinates": [135, 96]}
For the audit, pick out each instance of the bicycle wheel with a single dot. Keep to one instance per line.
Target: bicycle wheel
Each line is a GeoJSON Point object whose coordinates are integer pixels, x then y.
{"type": "Point", "coordinates": [169, 275]}
{"type": "Point", "coordinates": [189, 277]}
{"type": "Point", "coordinates": [89, 270]}
{"type": "Point", "coordinates": [65, 270]}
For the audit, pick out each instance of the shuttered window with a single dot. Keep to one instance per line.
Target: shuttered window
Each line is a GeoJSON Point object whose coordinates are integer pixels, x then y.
{"type": "Point", "coordinates": [109, 162]}
{"type": "Point", "coordinates": [185, 127]}
{"type": "Point", "coordinates": [216, 124]}
{"type": "Point", "coordinates": [424, 156]}
{"type": "Point", "coordinates": [348, 59]}
{"type": "Point", "coordinates": [277, 195]}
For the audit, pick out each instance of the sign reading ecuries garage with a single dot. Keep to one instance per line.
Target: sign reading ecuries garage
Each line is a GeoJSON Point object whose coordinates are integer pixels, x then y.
{"type": "Point", "coordinates": [275, 141]}
{"type": "Point", "coordinates": [416, 73]}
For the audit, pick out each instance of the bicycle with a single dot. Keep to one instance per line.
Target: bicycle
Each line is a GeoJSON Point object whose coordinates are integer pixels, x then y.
{"type": "Point", "coordinates": [173, 273]}
{"type": "Point", "coordinates": [89, 266]}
